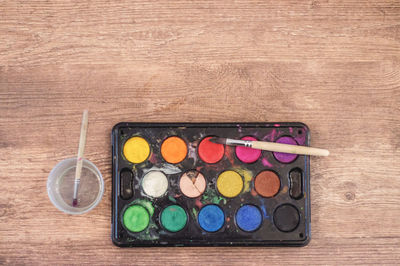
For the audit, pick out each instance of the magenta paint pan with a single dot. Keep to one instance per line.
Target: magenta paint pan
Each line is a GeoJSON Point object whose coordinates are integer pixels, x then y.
{"type": "Point", "coordinates": [246, 154]}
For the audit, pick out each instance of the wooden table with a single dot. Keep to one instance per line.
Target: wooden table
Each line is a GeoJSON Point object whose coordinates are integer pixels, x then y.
{"type": "Point", "coordinates": [334, 65]}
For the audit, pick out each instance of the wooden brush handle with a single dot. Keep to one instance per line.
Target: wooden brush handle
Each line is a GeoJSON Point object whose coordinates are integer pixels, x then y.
{"type": "Point", "coordinates": [286, 148]}
{"type": "Point", "coordinates": [82, 141]}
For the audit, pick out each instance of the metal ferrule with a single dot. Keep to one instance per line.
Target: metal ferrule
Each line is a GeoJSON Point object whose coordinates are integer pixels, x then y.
{"type": "Point", "coordinates": [76, 185]}
{"type": "Point", "coordinates": [245, 143]}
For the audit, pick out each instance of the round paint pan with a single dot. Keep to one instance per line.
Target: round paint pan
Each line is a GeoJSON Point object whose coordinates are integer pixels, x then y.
{"type": "Point", "coordinates": [247, 154]}
{"type": "Point", "coordinates": [210, 152]}
{"type": "Point", "coordinates": [136, 218]}
{"type": "Point", "coordinates": [136, 149]}
{"type": "Point", "coordinates": [155, 184]}
{"type": "Point", "coordinates": [192, 184]}
{"type": "Point", "coordinates": [248, 218]}
{"type": "Point", "coordinates": [173, 218]}
{"type": "Point", "coordinates": [267, 184]}
{"type": "Point", "coordinates": [286, 217]}
{"type": "Point", "coordinates": [230, 183]}
{"type": "Point", "coordinates": [286, 157]}
{"type": "Point", "coordinates": [174, 149]}
{"type": "Point", "coordinates": [211, 218]}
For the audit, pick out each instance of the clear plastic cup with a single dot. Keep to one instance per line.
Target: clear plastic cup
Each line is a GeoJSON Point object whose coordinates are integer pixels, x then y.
{"type": "Point", "coordinates": [60, 186]}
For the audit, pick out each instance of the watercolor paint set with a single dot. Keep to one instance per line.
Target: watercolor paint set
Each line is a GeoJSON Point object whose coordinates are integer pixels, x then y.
{"type": "Point", "coordinates": [172, 186]}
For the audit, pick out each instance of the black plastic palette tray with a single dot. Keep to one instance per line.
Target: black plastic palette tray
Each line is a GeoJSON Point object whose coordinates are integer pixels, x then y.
{"type": "Point", "coordinates": [285, 216]}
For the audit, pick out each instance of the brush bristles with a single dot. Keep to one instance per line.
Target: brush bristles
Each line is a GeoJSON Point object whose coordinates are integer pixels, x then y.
{"type": "Point", "coordinates": [218, 140]}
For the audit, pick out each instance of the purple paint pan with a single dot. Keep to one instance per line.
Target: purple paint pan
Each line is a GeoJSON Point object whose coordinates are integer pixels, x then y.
{"type": "Point", "coordinates": [285, 157]}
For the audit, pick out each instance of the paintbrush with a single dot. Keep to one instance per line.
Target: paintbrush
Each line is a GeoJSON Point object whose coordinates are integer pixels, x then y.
{"type": "Point", "coordinates": [272, 146]}
{"type": "Point", "coordinates": [81, 149]}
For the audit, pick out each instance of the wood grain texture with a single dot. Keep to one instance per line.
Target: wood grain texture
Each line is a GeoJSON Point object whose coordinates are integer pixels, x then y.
{"type": "Point", "coordinates": [334, 65]}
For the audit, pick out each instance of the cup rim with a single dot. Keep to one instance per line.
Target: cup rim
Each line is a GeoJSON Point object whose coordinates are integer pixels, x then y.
{"type": "Point", "coordinates": [51, 194]}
